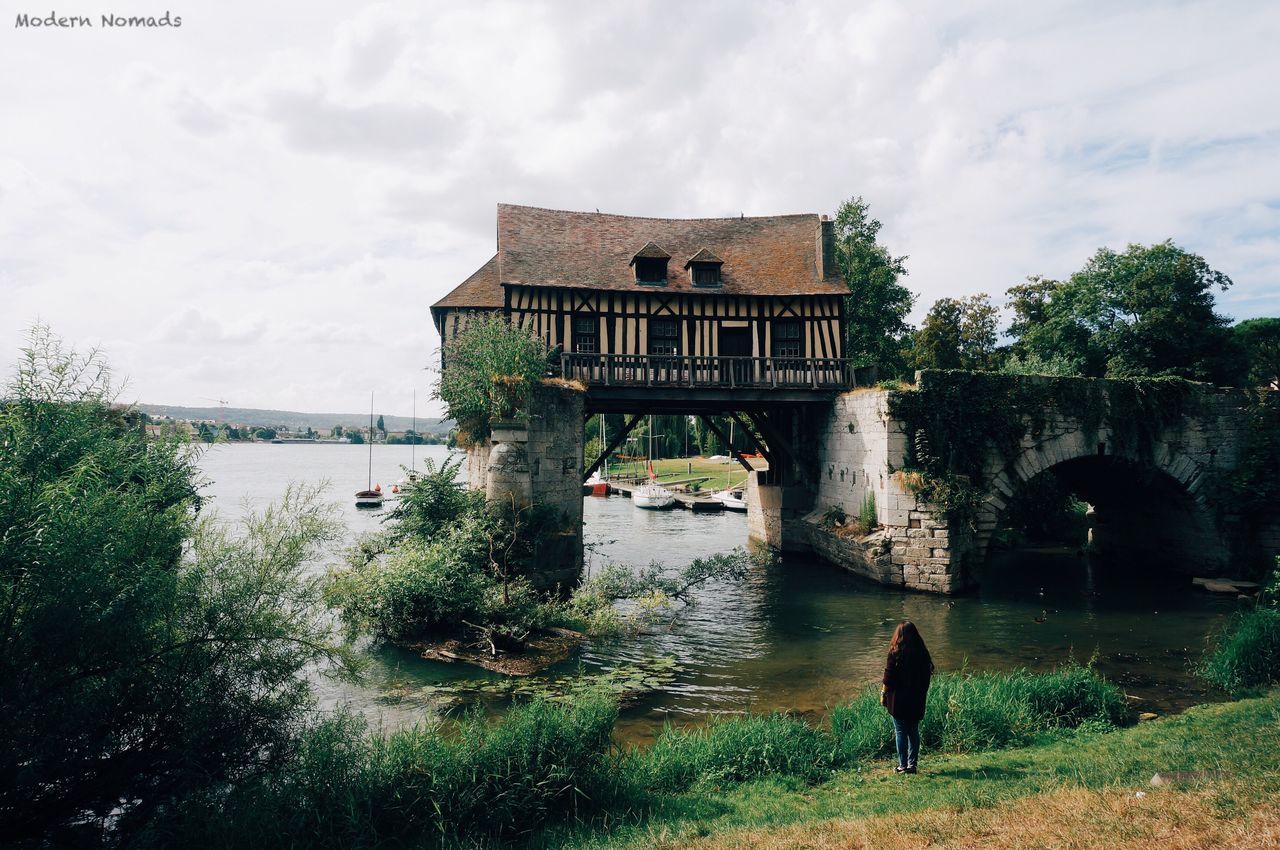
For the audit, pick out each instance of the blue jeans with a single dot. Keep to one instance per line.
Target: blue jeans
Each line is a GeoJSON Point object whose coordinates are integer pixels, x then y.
{"type": "Point", "coordinates": [907, 739]}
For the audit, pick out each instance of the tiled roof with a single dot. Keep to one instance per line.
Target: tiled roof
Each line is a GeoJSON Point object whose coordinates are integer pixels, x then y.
{"type": "Point", "coordinates": [771, 255]}
{"type": "Point", "coordinates": [650, 252]}
{"type": "Point", "coordinates": [703, 256]}
{"type": "Point", "coordinates": [768, 255]}
{"type": "Point", "coordinates": [482, 289]}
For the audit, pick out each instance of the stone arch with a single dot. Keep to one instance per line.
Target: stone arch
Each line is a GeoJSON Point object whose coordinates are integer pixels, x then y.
{"type": "Point", "coordinates": [1181, 477]}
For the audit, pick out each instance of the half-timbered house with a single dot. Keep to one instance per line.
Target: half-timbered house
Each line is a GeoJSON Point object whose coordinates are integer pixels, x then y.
{"type": "Point", "coordinates": [716, 302]}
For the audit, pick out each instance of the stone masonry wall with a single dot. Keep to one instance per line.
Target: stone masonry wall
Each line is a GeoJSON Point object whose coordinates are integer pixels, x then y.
{"type": "Point", "coordinates": [858, 445]}
{"type": "Point", "coordinates": [542, 462]}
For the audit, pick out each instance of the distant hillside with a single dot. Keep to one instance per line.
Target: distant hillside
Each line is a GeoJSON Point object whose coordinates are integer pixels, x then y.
{"type": "Point", "coordinates": [293, 420]}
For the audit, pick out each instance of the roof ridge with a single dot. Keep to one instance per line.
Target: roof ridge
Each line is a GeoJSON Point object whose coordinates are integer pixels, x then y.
{"type": "Point", "coordinates": [658, 218]}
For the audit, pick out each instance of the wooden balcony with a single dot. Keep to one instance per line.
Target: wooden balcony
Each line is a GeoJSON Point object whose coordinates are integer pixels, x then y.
{"type": "Point", "coordinates": [687, 372]}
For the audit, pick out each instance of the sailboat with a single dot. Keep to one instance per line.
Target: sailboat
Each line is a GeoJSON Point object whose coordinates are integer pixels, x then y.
{"type": "Point", "coordinates": [597, 484]}
{"type": "Point", "coordinates": [371, 496]}
{"type": "Point", "coordinates": [732, 499]}
{"type": "Point", "coordinates": [652, 496]}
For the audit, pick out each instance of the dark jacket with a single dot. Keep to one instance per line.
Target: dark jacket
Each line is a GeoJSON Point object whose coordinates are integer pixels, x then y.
{"type": "Point", "coordinates": [905, 690]}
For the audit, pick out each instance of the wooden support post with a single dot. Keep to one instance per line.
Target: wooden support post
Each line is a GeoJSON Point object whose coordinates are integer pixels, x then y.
{"type": "Point", "coordinates": [749, 430]}
{"type": "Point", "coordinates": [738, 457]}
{"type": "Point", "coordinates": [781, 446]}
{"type": "Point", "coordinates": [617, 441]}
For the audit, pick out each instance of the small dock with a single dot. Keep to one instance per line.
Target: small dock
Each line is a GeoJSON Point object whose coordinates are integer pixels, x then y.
{"type": "Point", "coordinates": [684, 500]}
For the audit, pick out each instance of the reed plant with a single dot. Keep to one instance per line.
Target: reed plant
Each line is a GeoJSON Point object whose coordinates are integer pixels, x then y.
{"type": "Point", "coordinates": [425, 785]}
{"type": "Point", "coordinates": [968, 712]}
{"type": "Point", "coordinates": [1245, 654]}
{"type": "Point", "coordinates": [734, 749]}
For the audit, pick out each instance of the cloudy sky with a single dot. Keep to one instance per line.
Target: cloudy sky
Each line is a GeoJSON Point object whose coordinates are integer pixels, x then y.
{"type": "Point", "coordinates": [260, 205]}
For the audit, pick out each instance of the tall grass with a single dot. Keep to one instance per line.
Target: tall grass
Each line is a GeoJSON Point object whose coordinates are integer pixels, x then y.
{"type": "Point", "coordinates": [732, 750]}
{"type": "Point", "coordinates": [1246, 653]}
{"type": "Point", "coordinates": [966, 712]}
{"type": "Point", "coordinates": [544, 761]}
{"type": "Point", "coordinates": [349, 788]}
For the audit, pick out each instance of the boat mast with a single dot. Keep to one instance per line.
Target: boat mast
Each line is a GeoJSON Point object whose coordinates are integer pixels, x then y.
{"type": "Point", "coordinates": [726, 468]}
{"type": "Point", "coordinates": [413, 441]}
{"type": "Point", "coordinates": [369, 484]}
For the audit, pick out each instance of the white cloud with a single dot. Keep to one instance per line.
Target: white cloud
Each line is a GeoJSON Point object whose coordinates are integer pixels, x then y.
{"type": "Point", "coordinates": [261, 205]}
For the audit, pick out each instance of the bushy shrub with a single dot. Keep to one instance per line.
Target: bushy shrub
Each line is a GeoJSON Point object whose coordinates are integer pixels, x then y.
{"type": "Point", "coordinates": [437, 501]}
{"type": "Point", "coordinates": [350, 788]}
{"type": "Point", "coordinates": [145, 652]}
{"type": "Point", "coordinates": [977, 711]}
{"type": "Point", "coordinates": [735, 750]}
{"type": "Point", "coordinates": [490, 369]}
{"type": "Point", "coordinates": [470, 571]}
{"type": "Point", "coordinates": [1246, 652]}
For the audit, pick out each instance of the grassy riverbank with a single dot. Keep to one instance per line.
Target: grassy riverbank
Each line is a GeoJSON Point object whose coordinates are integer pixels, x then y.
{"type": "Point", "coordinates": [1077, 791]}
{"type": "Point", "coordinates": [718, 471]}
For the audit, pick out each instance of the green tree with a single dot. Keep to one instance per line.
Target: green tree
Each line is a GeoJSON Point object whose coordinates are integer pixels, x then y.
{"type": "Point", "coordinates": [265, 433]}
{"type": "Point", "coordinates": [956, 334]}
{"type": "Point", "coordinates": [381, 426]}
{"type": "Point", "coordinates": [1260, 341]}
{"type": "Point", "coordinates": [1144, 312]}
{"type": "Point", "coordinates": [336, 432]}
{"type": "Point", "coordinates": [876, 312]}
{"type": "Point", "coordinates": [490, 369]}
{"type": "Point", "coordinates": [145, 653]}
{"type": "Point", "coordinates": [355, 437]}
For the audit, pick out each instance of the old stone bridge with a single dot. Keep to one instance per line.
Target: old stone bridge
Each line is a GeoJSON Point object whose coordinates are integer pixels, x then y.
{"type": "Point", "coordinates": [1157, 462]}
{"type": "Point", "coordinates": [943, 461]}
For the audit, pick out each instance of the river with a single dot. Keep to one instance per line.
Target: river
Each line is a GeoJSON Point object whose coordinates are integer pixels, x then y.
{"type": "Point", "coordinates": [799, 636]}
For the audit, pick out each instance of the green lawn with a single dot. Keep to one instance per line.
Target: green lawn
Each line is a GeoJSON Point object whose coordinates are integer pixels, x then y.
{"type": "Point", "coordinates": [677, 468]}
{"type": "Point", "coordinates": [1239, 739]}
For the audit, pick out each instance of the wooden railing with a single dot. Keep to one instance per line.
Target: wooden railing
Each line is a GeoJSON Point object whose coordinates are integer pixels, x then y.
{"type": "Point", "coordinates": [660, 370]}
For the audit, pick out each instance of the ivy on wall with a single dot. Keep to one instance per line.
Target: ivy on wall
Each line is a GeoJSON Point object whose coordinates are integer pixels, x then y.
{"type": "Point", "coordinates": [955, 419]}
{"type": "Point", "coordinates": [1252, 489]}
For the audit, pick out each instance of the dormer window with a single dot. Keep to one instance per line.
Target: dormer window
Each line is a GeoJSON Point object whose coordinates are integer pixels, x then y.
{"type": "Point", "coordinates": [651, 271]}
{"type": "Point", "coordinates": [706, 274]}
{"type": "Point", "coordinates": [704, 267]}
{"type": "Point", "coordinates": [650, 263]}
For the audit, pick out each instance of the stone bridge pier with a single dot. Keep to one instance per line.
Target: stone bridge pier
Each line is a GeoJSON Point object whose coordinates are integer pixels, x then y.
{"type": "Point", "coordinates": [538, 460]}
{"type": "Point", "coordinates": [1155, 489]}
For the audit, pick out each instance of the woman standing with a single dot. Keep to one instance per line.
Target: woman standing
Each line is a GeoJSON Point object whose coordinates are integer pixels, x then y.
{"type": "Point", "coordinates": [905, 686]}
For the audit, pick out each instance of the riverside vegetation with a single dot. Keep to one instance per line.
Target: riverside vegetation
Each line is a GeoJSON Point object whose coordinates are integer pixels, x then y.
{"type": "Point", "coordinates": [153, 690]}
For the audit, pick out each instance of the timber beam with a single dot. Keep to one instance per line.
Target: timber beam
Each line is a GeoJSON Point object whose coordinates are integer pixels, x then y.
{"type": "Point", "coordinates": [750, 430]}
{"type": "Point", "coordinates": [613, 445]}
{"type": "Point", "coordinates": [715, 429]}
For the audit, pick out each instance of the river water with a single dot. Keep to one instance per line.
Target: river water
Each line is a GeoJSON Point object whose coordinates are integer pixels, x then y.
{"type": "Point", "coordinates": [800, 635]}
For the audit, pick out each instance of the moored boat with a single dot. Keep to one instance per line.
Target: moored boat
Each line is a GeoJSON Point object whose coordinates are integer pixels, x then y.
{"type": "Point", "coordinates": [370, 496]}
{"type": "Point", "coordinates": [733, 500]}
{"type": "Point", "coordinates": [652, 496]}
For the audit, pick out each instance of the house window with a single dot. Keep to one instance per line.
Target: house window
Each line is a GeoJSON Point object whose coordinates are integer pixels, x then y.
{"type": "Point", "coordinates": [585, 331]}
{"type": "Point", "coordinates": [706, 274]}
{"type": "Point", "coordinates": [651, 271]}
{"type": "Point", "coordinates": [664, 336]}
{"type": "Point", "coordinates": [786, 340]}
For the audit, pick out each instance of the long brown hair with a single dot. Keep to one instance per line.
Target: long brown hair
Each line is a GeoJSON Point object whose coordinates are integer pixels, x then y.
{"type": "Point", "coordinates": [907, 649]}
